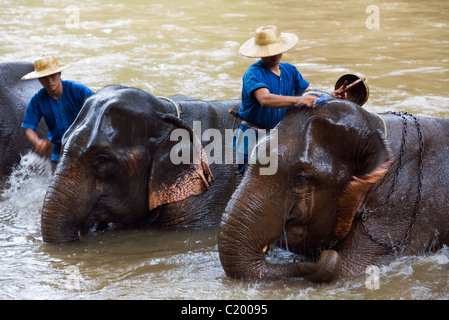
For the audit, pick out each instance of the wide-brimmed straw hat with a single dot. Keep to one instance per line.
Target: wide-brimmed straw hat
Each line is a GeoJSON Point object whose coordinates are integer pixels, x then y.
{"type": "Point", "coordinates": [45, 66]}
{"type": "Point", "coordinates": [268, 41]}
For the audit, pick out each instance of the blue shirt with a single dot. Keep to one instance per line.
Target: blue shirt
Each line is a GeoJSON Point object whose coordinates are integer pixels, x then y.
{"type": "Point", "coordinates": [289, 83]}
{"type": "Point", "coordinates": [58, 114]}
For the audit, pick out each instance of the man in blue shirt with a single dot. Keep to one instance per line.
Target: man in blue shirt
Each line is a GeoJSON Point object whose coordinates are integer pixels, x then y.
{"type": "Point", "coordinates": [269, 86]}
{"type": "Point", "coordinates": [59, 102]}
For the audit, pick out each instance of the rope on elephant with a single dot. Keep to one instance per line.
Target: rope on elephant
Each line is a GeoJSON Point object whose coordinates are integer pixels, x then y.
{"type": "Point", "coordinates": [178, 110]}
{"type": "Point", "coordinates": [363, 213]}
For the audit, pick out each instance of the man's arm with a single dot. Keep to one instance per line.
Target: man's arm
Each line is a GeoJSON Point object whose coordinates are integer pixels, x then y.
{"type": "Point", "coordinates": [40, 145]}
{"type": "Point", "coordinates": [275, 101]}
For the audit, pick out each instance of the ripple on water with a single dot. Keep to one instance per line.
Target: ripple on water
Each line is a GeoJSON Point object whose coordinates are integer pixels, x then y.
{"type": "Point", "coordinates": [154, 264]}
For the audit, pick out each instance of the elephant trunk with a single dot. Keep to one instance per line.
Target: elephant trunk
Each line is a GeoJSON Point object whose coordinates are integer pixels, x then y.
{"type": "Point", "coordinates": [65, 207]}
{"type": "Point", "coordinates": [250, 222]}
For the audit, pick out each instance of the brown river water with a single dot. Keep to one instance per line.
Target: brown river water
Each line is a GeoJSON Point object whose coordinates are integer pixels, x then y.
{"type": "Point", "coordinates": [191, 47]}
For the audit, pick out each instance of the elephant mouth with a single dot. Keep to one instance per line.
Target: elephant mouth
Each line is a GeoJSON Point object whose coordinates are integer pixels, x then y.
{"type": "Point", "coordinates": [294, 245]}
{"type": "Point", "coordinates": [276, 254]}
{"type": "Point", "coordinates": [88, 225]}
{"type": "Point", "coordinates": [97, 220]}
{"type": "Point", "coordinates": [296, 239]}
{"type": "Point", "coordinates": [293, 248]}
{"type": "Point", "coordinates": [106, 215]}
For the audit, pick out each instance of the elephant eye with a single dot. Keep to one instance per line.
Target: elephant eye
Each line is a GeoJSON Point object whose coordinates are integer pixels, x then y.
{"type": "Point", "coordinates": [101, 160]}
{"type": "Point", "coordinates": [301, 180]}
{"type": "Point", "coordinates": [103, 165]}
{"type": "Point", "coordinates": [300, 184]}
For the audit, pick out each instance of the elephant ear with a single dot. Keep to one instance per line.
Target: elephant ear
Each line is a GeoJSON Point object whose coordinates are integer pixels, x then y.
{"type": "Point", "coordinates": [375, 160]}
{"type": "Point", "coordinates": [171, 182]}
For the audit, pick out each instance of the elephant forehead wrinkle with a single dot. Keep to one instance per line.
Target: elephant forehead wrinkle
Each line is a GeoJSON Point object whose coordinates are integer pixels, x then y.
{"type": "Point", "coordinates": [107, 129]}
{"type": "Point", "coordinates": [133, 157]}
{"type": "Point", "coordinates": [75, 134]}
{"type": "Point", "coordinates": [102, 130]}
{"type": "Point", "coordinates": [307, 203]}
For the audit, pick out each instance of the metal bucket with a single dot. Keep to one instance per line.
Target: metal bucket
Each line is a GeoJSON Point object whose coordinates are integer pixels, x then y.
{"type": "Point", "coordinates": [359, 93]}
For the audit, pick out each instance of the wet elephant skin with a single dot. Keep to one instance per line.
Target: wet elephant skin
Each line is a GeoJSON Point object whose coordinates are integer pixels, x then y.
{"type": "Point", "coordinates": [116, 168]}
{"type": "Point", "coordinates": [14, 97]}
{"type": "Point", "coordinates": [352, 189]}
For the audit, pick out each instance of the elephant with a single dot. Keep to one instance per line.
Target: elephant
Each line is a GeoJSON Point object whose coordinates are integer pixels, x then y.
{"type": "Point", "coordinates": [353, 189]}
{"type": "Point", "coordinates": [14, 97]}
{"type": "Point", "coordinates": [117, 165]}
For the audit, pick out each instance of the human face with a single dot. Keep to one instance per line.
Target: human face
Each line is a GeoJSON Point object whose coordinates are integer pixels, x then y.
{"type": "Point", "coordinates": [51, 83]}
{"type": "Point", "coordinates": [272, 61]}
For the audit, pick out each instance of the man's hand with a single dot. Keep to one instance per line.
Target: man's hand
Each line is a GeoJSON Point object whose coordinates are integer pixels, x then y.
{"type": "Point", "coordinates": [275, 101]}
{"type": "Point", "coordinates": [307, 100]}
{"type": "Point", "coordinates": [40, 145]}
{"type": "Point", "coordinates": [339, 94]}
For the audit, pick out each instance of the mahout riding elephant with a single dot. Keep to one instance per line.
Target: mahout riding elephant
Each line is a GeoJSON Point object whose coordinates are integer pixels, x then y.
{"type": "Point", "coordinates": [14, 97]}
{"type": "Point", "coordinates": [121, 163]}
{"type": "Point", "coordinates": [352, 189]}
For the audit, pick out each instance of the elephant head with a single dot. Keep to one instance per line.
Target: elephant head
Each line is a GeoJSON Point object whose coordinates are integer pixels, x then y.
{"type": "Point", "coordinates": [115, 165]}
{"type": "Point", "coordinates": [329, 156]}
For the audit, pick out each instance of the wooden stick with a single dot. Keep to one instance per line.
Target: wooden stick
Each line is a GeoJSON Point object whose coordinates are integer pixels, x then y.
{"type": "Point", "coordinates": [234, 113]}
{"type": "Point", "coordinates": [352, 85]}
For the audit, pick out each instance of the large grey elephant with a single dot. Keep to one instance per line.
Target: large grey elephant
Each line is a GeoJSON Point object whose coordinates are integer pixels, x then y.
{"type": "Point", "coordinates": [122, 162]}
{"type": "Point", "coordinates": [14, 97]}
{"type": "Point", "coordinates": [352, 189]}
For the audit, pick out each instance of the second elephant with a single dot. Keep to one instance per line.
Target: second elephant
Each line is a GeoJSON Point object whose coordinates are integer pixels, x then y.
{"type": "Point", "coordinates": [117, 166]}
{"type": "Point", "coordinates": [352, 189]}
{"type": "Point", "coordinates": [14, 97]}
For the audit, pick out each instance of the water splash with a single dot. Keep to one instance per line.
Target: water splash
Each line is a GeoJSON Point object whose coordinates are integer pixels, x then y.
{"type": "Point", "coordinates": [28, 180]}
{"type": "Point", "coordinates": [21, 200]}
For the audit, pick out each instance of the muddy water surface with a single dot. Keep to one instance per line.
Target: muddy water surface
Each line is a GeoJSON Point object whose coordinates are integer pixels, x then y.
{"type": "Point", "coordinates": [190, 47]}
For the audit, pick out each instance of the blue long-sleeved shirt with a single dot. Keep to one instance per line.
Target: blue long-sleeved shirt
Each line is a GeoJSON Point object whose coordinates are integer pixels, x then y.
{"type": "Point", "coordinates": [289, 83]}
{"type": "Point", "coordinates": [58, 114]}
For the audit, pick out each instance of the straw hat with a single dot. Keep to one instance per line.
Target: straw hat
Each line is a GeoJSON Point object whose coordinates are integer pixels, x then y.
{"type": "Point", "coordinates": [268, 41]}
{"type": "Point", "coordinates": [45, 66]}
